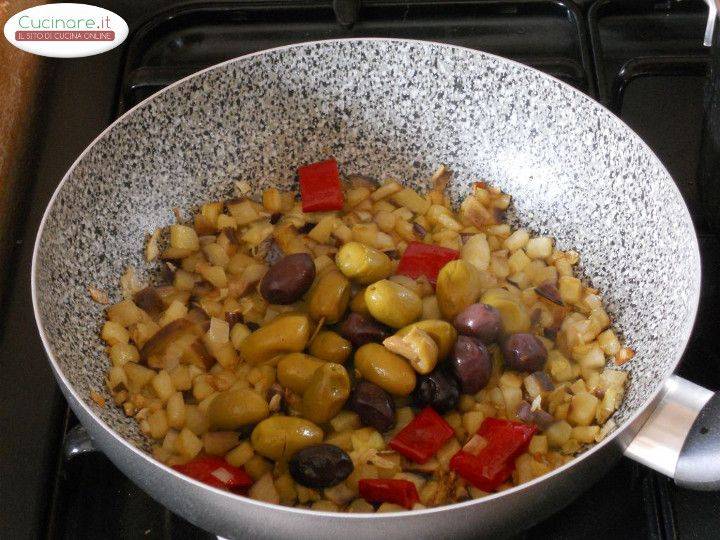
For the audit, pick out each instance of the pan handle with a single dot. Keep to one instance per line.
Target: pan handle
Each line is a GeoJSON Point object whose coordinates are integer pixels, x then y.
{"type": "Point", "coordinates": [681, 438]}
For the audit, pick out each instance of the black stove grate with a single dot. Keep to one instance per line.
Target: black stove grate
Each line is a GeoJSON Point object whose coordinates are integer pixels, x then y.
{"type": "Point", "coordinates": [642, 59]}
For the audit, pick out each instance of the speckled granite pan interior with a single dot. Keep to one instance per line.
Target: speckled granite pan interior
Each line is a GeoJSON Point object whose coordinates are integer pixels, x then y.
{"type": "Point", "coordinates": [387, 109]}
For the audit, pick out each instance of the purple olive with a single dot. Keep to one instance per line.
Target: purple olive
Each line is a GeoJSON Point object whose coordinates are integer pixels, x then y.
{"type": "Point", "coordinates": [524, 352]}
{"type": "Point", "coordinates": [470, 363]}
{"type": "Point", "coordinates": [436, 390]}
{"type": "Point", "coordinates": [480, 321]}
{"type": "Point", "coordinates": [374, 406]}
{"type": "Point", "coordinates": [288, 279]}
{"type": "Point", "coordinates": [360, 330]}
{"type": "Point", "coordinates": [320, 465]}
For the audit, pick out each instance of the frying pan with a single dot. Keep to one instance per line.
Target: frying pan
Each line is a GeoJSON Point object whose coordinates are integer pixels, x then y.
{"type": "Point", "coordinates": [388, 108]}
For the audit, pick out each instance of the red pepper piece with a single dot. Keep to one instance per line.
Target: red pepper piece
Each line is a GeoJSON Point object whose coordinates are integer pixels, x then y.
{"type": "Point", "coordinates": [425, 260]}
{"type": "Point", "coordinates": [400, 492]}
{"type": "Point", "coordinates": [216, 472]}
{"type": "Point", "coordinates": [320, 189]}
{"type": "Point", "coordinates": [423, 437]}
{"type": "Point", "coordinates": [495, 462]}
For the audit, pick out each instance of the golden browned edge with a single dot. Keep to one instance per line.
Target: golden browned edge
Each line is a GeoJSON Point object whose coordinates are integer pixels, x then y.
{"type": "Point", "coordinates": [20, 75]}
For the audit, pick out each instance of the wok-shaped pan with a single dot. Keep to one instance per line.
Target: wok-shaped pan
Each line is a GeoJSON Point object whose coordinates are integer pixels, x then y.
{"type": "Point", "coordinates": [388, 108]}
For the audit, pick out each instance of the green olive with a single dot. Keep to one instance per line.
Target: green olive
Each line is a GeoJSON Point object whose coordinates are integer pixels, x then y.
{"type": "Point", "coordinates": [279, 437]}
{"type": "Point", "coordinates": [362, 263]}
{"type": "Point", "coordinates": [442, 332]}
{"type": "Point", "coordinates": [329, 297]}
{"type": "Point", "coordinates": [459, 284]}
{"type": "Point", "coordinates": [388, 370]}
{"type": "Point", "coordinates": [358, 305]}
{"type": "Point", "coordinates": [392, 304]}
{"type": "Point", "coordinates": [284, 334]}
{"type": "Point", "coordinates": [331, 347]}
{"type": "Point", "coordinates": [326, 394]}
{"type": "Point", "coordinates": [295, 370]}
{"type": "Point", "coordinates": [233, 409]}
{"type": "Point", "coordinates": [513, 314]}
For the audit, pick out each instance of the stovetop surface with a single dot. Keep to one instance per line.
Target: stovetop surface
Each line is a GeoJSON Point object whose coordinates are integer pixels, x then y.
{"type": "Point", "coordinates": [642, 59]}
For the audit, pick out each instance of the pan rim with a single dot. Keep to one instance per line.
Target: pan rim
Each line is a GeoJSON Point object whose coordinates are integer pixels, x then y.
{"type": "Point", "coordinates": [239, 499]}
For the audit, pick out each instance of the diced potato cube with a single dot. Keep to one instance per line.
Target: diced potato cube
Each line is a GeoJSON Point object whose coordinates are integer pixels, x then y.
{"type": "Point", "coordinates": [176, 411]}
{"type": "Point", "coordinates": [355, 196]}
{"type": "Point", "coordinates": [511, 379]}
{"type": "Point", "coordinates": [366, 438]}
{"type": "Point", "coordinates": [158, 424]}
{"type": "Point", "coordinates": [122, 353]}
{"type": "Point", "coordinates": [558, 433]}
{"type": "Point", "coordinates": [226, 222]}
{"type": "Point", "coordinates": [345, 421]}
{"type": "Point", "coordinates": [264, 490]}
{"type": "Point", "coordinates": [472, 421]}
{"type": "Point", "coordinates": [523, 469]}
{"type": "Point", "coordinates": [125, 313]}
{"type": "Point", "coordinates": [184, 237]}
{"type": "Point", "coordinates": [569, 447]}
{"type": "Point", "coordinates": [416, 479]}
{"type": "Point", "coordinates": [518, 261]}
{"type": "Point", "coordinates": [360, 506]}
{"type": "Point", "coordinates": [257, 466]}
{"type": "Point", "coordinates": [240, 455]}
{"type": "Point", "coordinates": [285, 486]}
{"type": "Point", "coordinates": [517, 240]}
{"type": "Point", "coordinates": [585, 434]}
{"type": "Point", "coordinates": [386, 221]}
{"type": "Point", "coordinates": [411, 200]}
{"type": "Point", "coordinates": [244, 212]}
{"type": "Point", "coordinates": [187, 444]}
{"type": "Point", "coordinates": [138, 376]}
{"type": "Point", "coordinates": [570, 289]}
{"type": "Point", "coordinates": [582, 409]}
{"type": "Point", "coordinates": [114, 333]}
{"type": "Point", "coordinates": [214, 274]}
{"type": "Point", "coordinates": [341, 440]}
{"type": "Point", "coordinates": [162, 384]}
{"type": "Point", "coordinates": [609, 404]}
{"type": "Point", "coordinates": [540, 247]}
{"type": "Point", "coordinates": [447, 451]}
{"type": "Point", "coordinates": [389, 188]}
{"type": "Point", "coordinates": [609, 342]}
{"type": "Point", "coordinates": [257, 233]}
{"type": "Point", "coordinates": [558, 366]}
{"type": "Point", "coordinates": [589, 355]}
{"type": "Point", "coordinates": [538, 444]}
{"type": "Point", "coordinates": [218, 443]}
{"type": "Point", "coordinates": [386, 507]}
{"type": "Point", "coordinates": [306, 495]}
{"type": "Point", "coordinates": [238, 333]}
{"type": "Point", "coordinates": [324, 228]}
{"type": "Point", "coordinates": [176, 310]}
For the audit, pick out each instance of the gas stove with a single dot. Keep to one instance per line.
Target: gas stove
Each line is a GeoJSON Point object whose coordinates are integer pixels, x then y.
{"type": "Point", "coordinates": [643, 59]}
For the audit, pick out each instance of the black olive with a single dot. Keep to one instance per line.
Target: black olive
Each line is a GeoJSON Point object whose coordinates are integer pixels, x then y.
{"type": "Point", "coordinates": [480, 321]}
{"type": "Point", "coordinates": [374, 406]}
{"type": "Point", "coordinates": [360, 330]}
{"type": "Point", "coordinates": [470, 363]}
{"type": "Point", "coordinates": [436, 390]}
{"type": "Point", "coordinates": [524, 352]}
{"type": "Point", "coordinates": [288, 279]}
{"type": "Point", "coordinates": [320, 466]}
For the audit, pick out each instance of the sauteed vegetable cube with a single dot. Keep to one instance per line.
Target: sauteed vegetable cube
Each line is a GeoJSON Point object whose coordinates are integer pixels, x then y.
{"type": "Point", "coordinates": [367, 348]}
